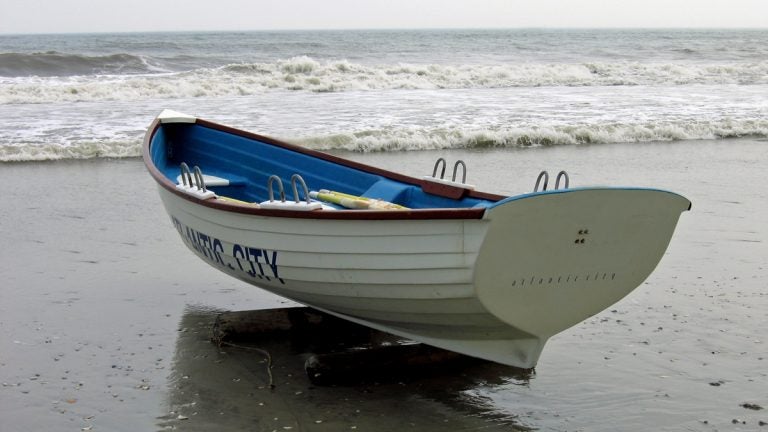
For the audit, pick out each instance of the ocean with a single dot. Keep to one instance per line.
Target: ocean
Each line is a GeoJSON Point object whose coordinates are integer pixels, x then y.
{"type": "Point", "coordinates": [105, 316]}
{"type": "Point", "coordinates": [92, 95]}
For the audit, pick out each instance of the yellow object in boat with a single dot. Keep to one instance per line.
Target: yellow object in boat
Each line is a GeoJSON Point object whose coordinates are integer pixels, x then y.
{"type": "Point", "coordinates": [354, 202]}
{"type": "Point", "coordinates": [236, 201]}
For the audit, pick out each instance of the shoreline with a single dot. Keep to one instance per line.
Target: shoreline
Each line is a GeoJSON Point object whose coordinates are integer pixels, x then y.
{"type": "Point", "coordinates": [351, 154]}
{"type": "Point", "coordinates": [104, 311]}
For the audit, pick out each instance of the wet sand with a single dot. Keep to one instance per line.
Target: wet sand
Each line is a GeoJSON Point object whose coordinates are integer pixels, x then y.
{"type": "Point", "coordinates": [105, 316]}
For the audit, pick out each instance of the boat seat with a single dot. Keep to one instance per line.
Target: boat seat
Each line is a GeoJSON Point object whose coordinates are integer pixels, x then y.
{"type": "Point", "coordinates": [291, 205]}
{"type": "Point", "coordinates": [213, 181]}
{"type": "Point", "coordinates": [388, 190]}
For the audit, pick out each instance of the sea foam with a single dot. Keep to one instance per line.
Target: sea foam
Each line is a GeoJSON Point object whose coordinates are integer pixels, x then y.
{"type": "Point", "coordinates": [410, 139]}
{"type": "Point", "coordinates": [310, 75]}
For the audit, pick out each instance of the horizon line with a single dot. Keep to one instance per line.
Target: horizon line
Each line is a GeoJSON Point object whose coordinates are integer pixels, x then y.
{"type": "Point", "coordinates": [351, 29]}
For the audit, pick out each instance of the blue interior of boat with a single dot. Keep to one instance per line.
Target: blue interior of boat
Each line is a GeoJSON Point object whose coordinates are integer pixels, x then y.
{"type": "Point", "coordinates": [248, 163]}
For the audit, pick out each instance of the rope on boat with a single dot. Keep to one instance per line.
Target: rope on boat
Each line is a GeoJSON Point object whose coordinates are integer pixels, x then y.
{"type": "Point", "coordinates": [219, 341]}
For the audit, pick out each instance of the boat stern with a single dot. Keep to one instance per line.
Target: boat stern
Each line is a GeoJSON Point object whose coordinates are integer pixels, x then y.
{"type": "Point", "coordinates": [551, 260]}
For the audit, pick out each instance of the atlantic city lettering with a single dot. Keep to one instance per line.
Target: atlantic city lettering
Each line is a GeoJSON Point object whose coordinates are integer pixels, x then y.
{"type": "Point", "coordinates": [255, 262]}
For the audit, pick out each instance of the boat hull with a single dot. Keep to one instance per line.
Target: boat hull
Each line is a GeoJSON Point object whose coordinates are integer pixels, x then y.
{"type": "Point", "coordinates": [495, 288]}
{"type": "Point", "coordinates": [477, 273]}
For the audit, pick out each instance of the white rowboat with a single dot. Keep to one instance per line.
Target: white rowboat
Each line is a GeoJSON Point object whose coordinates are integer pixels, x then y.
{"type": "Point", "coordinates": [481, 274]}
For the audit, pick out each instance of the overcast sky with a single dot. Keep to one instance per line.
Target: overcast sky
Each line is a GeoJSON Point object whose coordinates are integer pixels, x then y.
{"type": "Point", "coordinates": [53, 16]}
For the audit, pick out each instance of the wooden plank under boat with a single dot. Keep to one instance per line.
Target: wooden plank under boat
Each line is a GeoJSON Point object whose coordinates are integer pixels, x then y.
{"type": "Point", "coordinates": [477, 273]}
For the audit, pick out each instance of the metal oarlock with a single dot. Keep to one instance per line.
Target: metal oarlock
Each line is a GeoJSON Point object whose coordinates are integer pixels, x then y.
{"type": "Point", "coordinates": [186, 176]}
{"type": "Point", "coordinates": [442, 186]}
{"type": "Point", "coordinates": [199, 179]}
{"type": "Point", "coordinates": [545, 175]}
{"type": "Point", "coordinates": [193, 185]}
{"type": "Point", "coordinates": [297, 204]}
{"type": "Point", "coordinates": [271, 180]}
{"type": "Point", "coordinates": [464, 171]}
{"type": "Point", "coordinates": [441, 163]}
{"type": "Point", "coordinates": [564, 175]}
{"type": "Point", "coordinates": [298, 179]}
{"type": "Point", "coordinates": [437, 163]}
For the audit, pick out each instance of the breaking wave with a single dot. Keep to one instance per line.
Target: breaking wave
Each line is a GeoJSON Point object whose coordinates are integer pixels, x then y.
{"type": "Point", "coordinates": [126, 77]}
{"type": "Point", "coordinates": [421, 139]}
{"type": "Point", "coordinates": [432, 139]}
{"type": "Point", "coordinates": [74, 150]}
{"type": "Point", "coordinates": [55, 64]}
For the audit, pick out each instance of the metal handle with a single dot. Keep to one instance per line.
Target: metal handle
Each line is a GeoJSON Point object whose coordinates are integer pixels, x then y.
{"type": "Point", "coordinates": [464, 170]}
{"type": "Point", "coordinates": [199, 179]}
{"type": "Point", "coordinates": [272, 178]}
{"type": "Point", "coordinates": [562, 174]}
{"type": "Point", "coordinates": [545, 175]}
{"type": "Point", "coordinates": [442, 173]}
{"type": "Point", "coordinates": [186, 175]}
{"type": "Point", "coordinates": [297, 178]}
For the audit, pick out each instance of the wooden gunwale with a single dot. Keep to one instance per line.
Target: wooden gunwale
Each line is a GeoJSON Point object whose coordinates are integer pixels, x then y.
{"type": "Point", "coordinates": [414, 214]}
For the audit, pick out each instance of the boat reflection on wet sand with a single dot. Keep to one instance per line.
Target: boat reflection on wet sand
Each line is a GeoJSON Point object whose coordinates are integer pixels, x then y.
{"type": "Point", "coordinates": [228, 387]}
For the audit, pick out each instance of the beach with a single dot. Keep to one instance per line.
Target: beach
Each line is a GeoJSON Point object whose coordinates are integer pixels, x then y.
{"type": "Point", "coordinates": [106, 316]}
